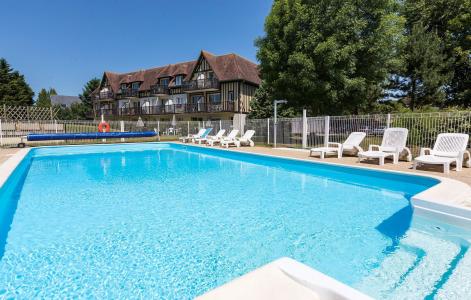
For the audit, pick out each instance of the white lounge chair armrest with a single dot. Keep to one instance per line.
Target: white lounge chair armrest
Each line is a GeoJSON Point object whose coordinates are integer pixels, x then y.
{"type": "Point", "coordinates": [337, 145]}
{"type": "Point", "coordinates": [425, 151]}
{"type": "Point", "coordinates": [373, 147]}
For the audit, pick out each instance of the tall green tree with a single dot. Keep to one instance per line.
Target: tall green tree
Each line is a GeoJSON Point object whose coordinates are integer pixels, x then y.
{"type": "Point", "coordinates": [262, 105]}
{"type": "Point", "coordinates": [44, 97]}
{"type": "Point", "coordinates": [451, 21]}
{"type": "Point", "coordinates": [86, 106]}
{"type": "Point", "coordinates": [426, 69]}
{"type": "Point", "coordinates": [330, 56]}
{"type": "Point", "coordinates": [14, 90]}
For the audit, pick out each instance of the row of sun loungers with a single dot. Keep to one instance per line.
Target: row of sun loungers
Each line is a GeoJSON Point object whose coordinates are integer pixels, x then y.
{"type": "Point", "coordinates": [449, 148]}
{"type": "Point", "coordinates": [203, 137]}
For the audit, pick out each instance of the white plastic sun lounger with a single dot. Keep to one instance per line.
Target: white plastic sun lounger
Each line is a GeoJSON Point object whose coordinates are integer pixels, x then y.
{"type": "Point", "coordinates": [448, 148]}
{"type": "Point", "coordinates": [186, 139]}
{"type": "Point", "coordinates": [231, 136]}
{"type": "Point", "coordinates": [393, 145]}
{"type": "Point", "coordinates": [204, 140]}
{"type": "Point", "coordinates": [203, 136]}
{"type": "Point", "coordinates": [351, 144]}
{"type": "Point", "coordinates": [245, 140]}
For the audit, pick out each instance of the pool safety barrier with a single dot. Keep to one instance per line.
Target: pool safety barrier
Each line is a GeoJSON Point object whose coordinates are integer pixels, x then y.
{"type": "Point", "coordinates": [34, 137]}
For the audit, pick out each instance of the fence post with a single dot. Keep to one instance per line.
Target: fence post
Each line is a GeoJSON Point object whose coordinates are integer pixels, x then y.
{"type": "Point", "coordinates": [122, 129]}
{"type": "Point", "coordinates": [50, 110]}
{"type": "Point", "coordinates": [158, 127]}
{"type": "Point", "coordinates": [388, 121]}
{"type": "Point", "coordinates": [268, 131]}
{"type": "Point", "coordinates": [220, 124]}
{"type": "Point", "coordinates": [1, 133]}
{"type": "Point", "coordinates": [55, 126]}
{"type": "Point", "coordinates": [304, 145]}
{"type": "Point", "coordinates": [326, 130]}
{"type": "Point", "coordinates": [188, 128]}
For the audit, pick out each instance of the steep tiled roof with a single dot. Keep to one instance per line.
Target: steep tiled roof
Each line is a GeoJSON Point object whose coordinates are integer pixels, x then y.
{"type": "Point", "coordinates": [226, 67]}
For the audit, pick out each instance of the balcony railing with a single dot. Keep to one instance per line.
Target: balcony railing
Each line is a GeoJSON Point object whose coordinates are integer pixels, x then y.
{"type": "Point", "coordinates": [159, 89]}
{"type": "Point", "coordinates": [129, 93]}
{"type": "Point", "coordinates": [202, 84]}
{"type": "Point", "coordinates": [170, 109]}
{"type": "Point", "coordinates": [103, 96]}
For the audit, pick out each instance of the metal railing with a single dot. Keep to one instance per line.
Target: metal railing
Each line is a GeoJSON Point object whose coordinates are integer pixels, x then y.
{"type": "Point", "coordinates": [201, 84]}
{"type": "Point", "coordinates": [291, 132]}
{"type": "Point", "coordinates": [169, 109]}
{"type": "Point", "coordinates": [159, 89]}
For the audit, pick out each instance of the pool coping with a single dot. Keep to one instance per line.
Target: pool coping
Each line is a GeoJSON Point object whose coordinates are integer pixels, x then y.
{"type": "Point", "coordinates": [429, 203]}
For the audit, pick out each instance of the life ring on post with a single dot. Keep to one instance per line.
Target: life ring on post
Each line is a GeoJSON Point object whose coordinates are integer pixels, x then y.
{"type": "Point", "coordinates": [106, 125]}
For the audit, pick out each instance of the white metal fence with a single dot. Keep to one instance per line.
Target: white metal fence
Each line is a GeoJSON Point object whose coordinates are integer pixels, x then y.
{"type": "Point", "coordinates": [291, 132]}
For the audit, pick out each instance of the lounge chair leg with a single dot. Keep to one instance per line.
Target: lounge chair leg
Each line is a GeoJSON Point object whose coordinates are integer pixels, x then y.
{"type": "Point", "coordinates": [446, 168]}
{"type": "Point", "coordinates": [322, 154]}
{"type": "Point", "coordinates": [381, 161]}
{"type": "Point", "coordinates": [339, 154]}
{"type": "Point", "coordinates": [414, 165]}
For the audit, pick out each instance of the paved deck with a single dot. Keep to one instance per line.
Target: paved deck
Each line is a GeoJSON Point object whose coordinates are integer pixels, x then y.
{"type": "Point", "coordinates": [5, 153]}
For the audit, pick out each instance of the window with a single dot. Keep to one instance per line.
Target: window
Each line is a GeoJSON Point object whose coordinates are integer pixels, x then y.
{"type": "Point", "coordinates": [230, 96]}
{"type": "Point", "coordinates": [164, 81]}
{"type": "Point", "coordinates": [178, 80]}
{"type": "Point", "coordinates": [123, 86]}
{"type": "Point", "coordinates": [135, 85]}
{"type": "Point", "coordinates": [215, 98]}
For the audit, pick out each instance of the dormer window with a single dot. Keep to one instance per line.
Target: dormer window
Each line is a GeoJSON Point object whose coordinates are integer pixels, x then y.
{"type": "Point", "coordinates": [123, 86]}
{"type": "Point", "coordinates": [164, 81]}
{"type": "Point", "coordinates": [178, 80]}
{"type": "Point", "coordinates": [135, 86]}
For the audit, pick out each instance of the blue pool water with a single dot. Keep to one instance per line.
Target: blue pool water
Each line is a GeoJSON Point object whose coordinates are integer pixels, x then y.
{"type": "Point", "coordinates": [169, 221]}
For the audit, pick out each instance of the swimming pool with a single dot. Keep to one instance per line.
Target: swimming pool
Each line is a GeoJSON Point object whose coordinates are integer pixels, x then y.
{"type": "Point", "coordinates": [170, 221]}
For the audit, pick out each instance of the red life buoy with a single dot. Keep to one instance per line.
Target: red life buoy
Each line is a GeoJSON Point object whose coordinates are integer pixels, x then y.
{"type": "Point", "coordinates": [107, 127]}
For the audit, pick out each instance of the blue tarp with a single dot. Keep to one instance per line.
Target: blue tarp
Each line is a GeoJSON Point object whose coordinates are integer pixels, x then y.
{"type": "Point", "coordinates": [87, 135]}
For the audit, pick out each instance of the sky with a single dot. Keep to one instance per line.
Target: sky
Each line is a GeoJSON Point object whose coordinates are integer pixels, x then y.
{"type": "Point", "coordinates": [63, 44]}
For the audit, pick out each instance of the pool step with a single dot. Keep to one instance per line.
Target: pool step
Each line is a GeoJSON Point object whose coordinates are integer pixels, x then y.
{"type": "Point", "coordinates": [439, 254]}
{"type": "Point", "coordinates": [413, 269]}
{"type": "Point", "coordinates": [457, 285]}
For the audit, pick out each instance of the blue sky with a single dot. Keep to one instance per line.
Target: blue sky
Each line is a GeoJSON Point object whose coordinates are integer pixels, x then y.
{"type": "Point", "coordinates": [62, 44]}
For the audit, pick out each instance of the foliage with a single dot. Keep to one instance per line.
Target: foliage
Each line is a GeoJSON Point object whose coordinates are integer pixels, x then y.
{"type": "Point", "coordinates": [262, 105]}
{"type": "Point", "coordinates": [44, 97]}
{"type": "Point", "coordinates": [83, 109]}
{"type": "Point", "coordinates": [14, 90]}
{"type": "Point", "coordinates": [426, 69]}
{"type": "Point", "coordinates": [451, 20]}
{"type": "Point", "coordinates": [329, 56]}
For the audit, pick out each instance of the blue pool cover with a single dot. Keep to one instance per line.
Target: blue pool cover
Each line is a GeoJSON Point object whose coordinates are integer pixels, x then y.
{"type": "Point", "coordinates": [87, 135]}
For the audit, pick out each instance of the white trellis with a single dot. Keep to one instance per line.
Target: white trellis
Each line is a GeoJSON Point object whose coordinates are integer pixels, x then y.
{"type": "Point", "coordinates": [30, 113]}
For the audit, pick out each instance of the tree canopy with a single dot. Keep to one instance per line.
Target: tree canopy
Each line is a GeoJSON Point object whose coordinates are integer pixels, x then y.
{"type": "Point", "coordinates": [14, 90]}
{"type": "Point", "coordinates": [343, 56]}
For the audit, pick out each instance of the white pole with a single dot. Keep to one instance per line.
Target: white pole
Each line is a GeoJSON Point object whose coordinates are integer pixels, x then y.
{"type": "Point", "coordinates": [103, 120]}
{"type": "Point", "coordinates": [268, 131]}
{"type": "Point", "coordinates": [158, 127]}
{"type": "Point", "coordinates": [55, 125]}
{"type": "Point", "coordinates": [326, 130]}
{"type": "Point", "coordinates": [275, 123]}
{"type": "Point", "coordinates": [388, 121]}
{"type": "Point", "coordinates": [188, 128]}
{"type": "Point", "coordinates": [122, 129]}
{"type": "Point", "coordinates": [304, 128]}
{"type": "Point", "coordinates": [1, 133]}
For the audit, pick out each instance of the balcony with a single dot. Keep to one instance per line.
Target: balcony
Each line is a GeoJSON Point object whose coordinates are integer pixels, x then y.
{"type": "Point", "coordinates": [159, 89]}
{"type": "Point", "coordinates": [103, 96]}
{"type": "Point", "coordinates": [171, 109]}
{"type": "Point", "coordinates": [201, 85]}
{"type": "Point", "coordinates": [129, 93]}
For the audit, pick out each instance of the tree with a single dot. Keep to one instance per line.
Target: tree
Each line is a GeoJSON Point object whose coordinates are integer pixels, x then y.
{"type": "Point", "coordinates": [451, 21]}
{"type": "Point", "coordinates": [330, 56]}
{"type": "Point", "coordinates": [14, 90]}
{"type": "Point", "coordinates": [87, 102]}
{"type": "Point", "coordinates": [426, 69]}
{"type": "Point", "coordinates": [261, 105]}
{"type": "Point", "coordinates": [44, 97]}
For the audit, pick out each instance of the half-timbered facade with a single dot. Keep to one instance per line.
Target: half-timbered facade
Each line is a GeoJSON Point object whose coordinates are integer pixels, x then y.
{"type": "Point", "coordinates": [209, 88]}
